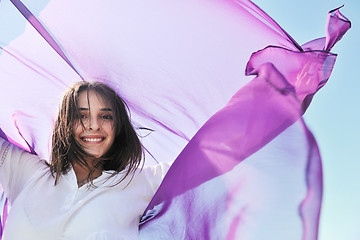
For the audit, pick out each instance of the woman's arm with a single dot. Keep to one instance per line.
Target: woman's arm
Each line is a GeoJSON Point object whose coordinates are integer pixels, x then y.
{"type": "Point", "coordinates": [17, 166]}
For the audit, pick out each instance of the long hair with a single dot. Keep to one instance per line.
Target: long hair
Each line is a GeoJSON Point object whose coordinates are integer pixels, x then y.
{"type": "Point", "coordinates": [126, 151]}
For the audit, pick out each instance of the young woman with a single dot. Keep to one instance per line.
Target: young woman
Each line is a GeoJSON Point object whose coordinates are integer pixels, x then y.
{"type": "Point", "coordinates": [94, 187]}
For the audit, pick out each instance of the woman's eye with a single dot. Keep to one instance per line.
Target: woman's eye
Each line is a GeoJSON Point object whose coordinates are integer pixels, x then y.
{"type": "Point", "coordinates": [82, 116]}
{"type": "Point", "coordinates": [107, 117]}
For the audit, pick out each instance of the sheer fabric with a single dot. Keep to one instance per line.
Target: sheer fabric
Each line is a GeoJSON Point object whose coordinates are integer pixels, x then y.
{"type": "Point", "coordinates": [245, 163]}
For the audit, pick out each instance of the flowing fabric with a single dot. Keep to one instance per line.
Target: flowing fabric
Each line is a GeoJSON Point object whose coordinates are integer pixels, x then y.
{"type": "Point", "coordinates": [246, 166]}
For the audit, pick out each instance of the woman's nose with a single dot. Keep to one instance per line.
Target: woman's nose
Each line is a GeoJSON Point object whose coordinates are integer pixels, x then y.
{"type": "Point", "coordinates": [94, 123]}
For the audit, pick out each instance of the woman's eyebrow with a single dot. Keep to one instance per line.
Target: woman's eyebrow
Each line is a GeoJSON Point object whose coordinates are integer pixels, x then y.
{"type": "Point", "coordinates": [101, 109]}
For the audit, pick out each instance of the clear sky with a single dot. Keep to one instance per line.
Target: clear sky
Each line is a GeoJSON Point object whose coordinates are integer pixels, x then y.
{"type": "Point", "coordinates": [334, 114]}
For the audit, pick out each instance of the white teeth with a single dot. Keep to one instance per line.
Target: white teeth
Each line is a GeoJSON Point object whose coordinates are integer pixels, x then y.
{"type": "Point", "coordinates": [92, 139]}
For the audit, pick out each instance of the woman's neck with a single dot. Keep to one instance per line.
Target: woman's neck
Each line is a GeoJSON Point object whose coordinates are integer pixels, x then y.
{"type": "Point", "coordinates": [82, 173]}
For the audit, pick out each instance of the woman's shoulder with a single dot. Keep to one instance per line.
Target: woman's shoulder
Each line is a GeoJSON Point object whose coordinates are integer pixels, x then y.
{"type": "Point", "coordinates": [150, 176]}
{"type": "Point", "coordinates": [159, 169]}
{"type": "Point", "coordinates": [154, 174]}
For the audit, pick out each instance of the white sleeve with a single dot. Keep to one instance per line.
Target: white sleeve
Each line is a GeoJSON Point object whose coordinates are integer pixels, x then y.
{"type": "Point", "coordinates": [16, 168]}
{"type": "Point", "coordinates": [156, 174]}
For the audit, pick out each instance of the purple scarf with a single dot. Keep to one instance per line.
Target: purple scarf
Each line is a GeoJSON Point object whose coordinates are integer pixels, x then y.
{"type": "Point", "coordinates": [246, 166]}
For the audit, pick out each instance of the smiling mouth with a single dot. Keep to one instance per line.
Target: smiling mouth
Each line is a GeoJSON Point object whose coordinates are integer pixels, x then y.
{"type": "Point", "coordinates": [86, 139]}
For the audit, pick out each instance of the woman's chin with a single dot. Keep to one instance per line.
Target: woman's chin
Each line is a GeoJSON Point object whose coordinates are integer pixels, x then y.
{"type": "Point", "coordinates": [94, 154]}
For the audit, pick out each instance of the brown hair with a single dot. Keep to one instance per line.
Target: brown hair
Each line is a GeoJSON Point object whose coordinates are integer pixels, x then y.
{"type": "Point", "coordinates": [126, 151]}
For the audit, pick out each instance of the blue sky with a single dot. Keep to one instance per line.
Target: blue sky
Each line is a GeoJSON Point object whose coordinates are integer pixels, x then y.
{"type": "Point", "coordinates": [334, 115]}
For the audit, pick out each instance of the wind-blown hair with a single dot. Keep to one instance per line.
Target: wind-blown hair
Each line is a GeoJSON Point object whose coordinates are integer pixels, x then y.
{"type": "Point", "coordinates": [126, 151]}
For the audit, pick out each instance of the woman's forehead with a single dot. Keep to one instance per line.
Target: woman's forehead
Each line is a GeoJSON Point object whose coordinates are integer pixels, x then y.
{"type": "Point", "coordinates": [93, 98]}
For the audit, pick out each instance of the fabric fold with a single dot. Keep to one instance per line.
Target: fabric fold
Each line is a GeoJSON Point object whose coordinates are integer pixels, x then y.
{"type": "Point", "coordinates": [261, 111]}
{"type": "Point", "coordinates": [256, 115]}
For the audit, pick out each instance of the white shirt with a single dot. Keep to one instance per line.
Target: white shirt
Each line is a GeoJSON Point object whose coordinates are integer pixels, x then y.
{"type": "Point", "coordinates": [40, 210]}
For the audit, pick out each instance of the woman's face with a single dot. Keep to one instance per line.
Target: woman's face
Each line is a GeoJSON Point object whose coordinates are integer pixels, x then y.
{"type": "Point", "coordinates": [98, 135]}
